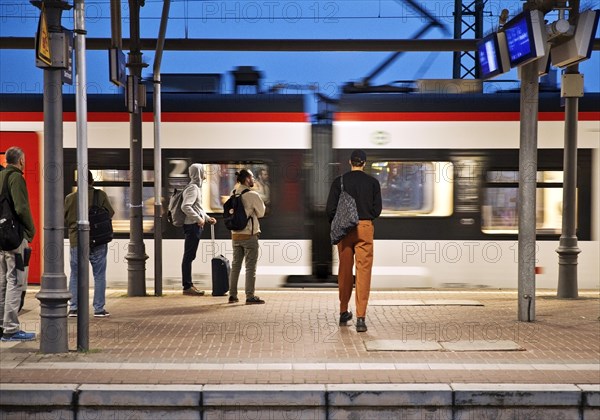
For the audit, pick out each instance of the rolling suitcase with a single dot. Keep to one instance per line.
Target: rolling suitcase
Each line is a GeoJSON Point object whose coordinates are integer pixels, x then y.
{"type": "Point", "coordinates": [220, 269]}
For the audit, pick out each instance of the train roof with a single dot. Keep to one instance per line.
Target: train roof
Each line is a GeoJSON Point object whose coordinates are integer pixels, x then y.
{"type": "Point", "coordinates": [171, 102]}
{"type": "Point", "coordinates": [436, 102]}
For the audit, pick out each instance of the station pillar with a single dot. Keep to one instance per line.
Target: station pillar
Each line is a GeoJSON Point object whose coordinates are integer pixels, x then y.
{"type": "Point", "coordinates": [568, 250]}
{"type": "Point", "coordinates": [527, 191]}
{"type": "Point", "coordinates": [136, 252]}
{"type": "Point", "coordinates": [53, 295]}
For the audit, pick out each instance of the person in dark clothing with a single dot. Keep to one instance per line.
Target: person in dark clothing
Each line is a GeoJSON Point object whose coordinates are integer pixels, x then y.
{"type": "Point", "coordinates": [97, 256]}
{"type": "Point", "coordinates": [195, 219]}
{"type": "Point", "coordinates": [358, 243]}
{"type": "Point", "coordinates": [13, 272]}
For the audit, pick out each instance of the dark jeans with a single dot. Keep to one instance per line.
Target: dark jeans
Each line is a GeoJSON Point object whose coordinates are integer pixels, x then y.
{"type": "Point", "coordinates": [192, 239]}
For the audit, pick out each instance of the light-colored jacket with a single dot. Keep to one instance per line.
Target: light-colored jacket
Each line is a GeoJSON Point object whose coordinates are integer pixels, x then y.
{"type": "Point", "coordinates": [191, 203]}
{"type": "Point", "coordinates": [255, 208]}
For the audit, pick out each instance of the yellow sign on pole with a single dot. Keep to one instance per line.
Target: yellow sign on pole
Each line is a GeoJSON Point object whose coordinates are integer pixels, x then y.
{"type": "Point", "coordinates": [43, 40]}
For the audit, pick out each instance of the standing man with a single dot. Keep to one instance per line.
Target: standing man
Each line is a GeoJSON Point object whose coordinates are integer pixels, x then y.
{"type": "Point", "coordinates": [195, 218]}
{"type": "Point", "coordinates": [12, 262]}
{"type": "Point", "coordinates": [245, 241]}
{"type": "Point", "coordinates": [97, 254]}
{"type": "Point", "coordinates": [358, 243]}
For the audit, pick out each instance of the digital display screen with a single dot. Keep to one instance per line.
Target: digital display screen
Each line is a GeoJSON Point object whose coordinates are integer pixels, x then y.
{"type": "Point", "coordinates": [492, 57]}
{"type": "Point", "coordinates": [488, 58]}
{"type": "Point", "coordinates": [519, 40]}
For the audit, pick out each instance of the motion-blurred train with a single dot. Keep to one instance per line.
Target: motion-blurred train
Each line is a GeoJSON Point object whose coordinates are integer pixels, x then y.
{"type": "Point", "coordinates": [447, 164]}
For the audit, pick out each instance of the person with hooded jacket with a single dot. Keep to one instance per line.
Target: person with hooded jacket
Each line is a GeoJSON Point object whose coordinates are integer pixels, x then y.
{"type": "Point", "coordinates": [195, 218]}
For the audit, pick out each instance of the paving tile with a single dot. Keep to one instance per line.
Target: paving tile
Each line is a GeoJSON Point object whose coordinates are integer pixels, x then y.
{"type": "Point", "coordinates": [481, 345]}
{"type": "Point", "coordinates": [452, 302]}
{"type": "Point", "coordinates": [401, 345]}
{"type": "Point", "coordinates": [396, 302]}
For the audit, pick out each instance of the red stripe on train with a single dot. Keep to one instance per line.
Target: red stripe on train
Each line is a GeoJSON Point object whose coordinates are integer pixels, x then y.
{"type": "Point", "coordinates": [455, 116]}
{"type": "Point", "coordinates": [301, 117]}
{"type": "Point", "coordinates": [168, 116]}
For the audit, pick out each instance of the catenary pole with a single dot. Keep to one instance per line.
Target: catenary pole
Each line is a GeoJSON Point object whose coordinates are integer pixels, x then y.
{"type": "Point", "coordinates": [53, 294]}
{"type": "Point", "coordinates": [157, 152]}
{"type": "Point", "coordinates": [568, 249]}
{"type": "Point", "coordinates": [83, 225]}
{"type": "Point", "coordinates": [136, 253]}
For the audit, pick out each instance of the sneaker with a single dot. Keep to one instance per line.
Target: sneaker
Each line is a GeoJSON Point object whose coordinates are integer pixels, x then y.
{"type": "Point", "coordinates": [101, 314]}
{"type": "Point", "coordinates": [345, 317]}
{"type": "Point", "coordinates": [19, 336]}
{"type": "Point", "coordinates": [360, 325]}
{"type": "Point", "coordinates": [254, 300]}
{"type": "Point", "coordinates": [73, 313]}
{"type": "Point", "coordinates": [233, 299]}
{"type": "Point", "coordinates": [192, 291]}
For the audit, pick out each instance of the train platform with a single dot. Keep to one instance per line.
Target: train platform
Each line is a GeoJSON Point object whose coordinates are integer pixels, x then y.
{"type": "Point", "coordinates": [421, 339]}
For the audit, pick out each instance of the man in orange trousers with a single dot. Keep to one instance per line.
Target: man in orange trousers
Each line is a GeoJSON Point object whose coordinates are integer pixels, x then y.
{"type": "Point", "coordinates": [358, 243]}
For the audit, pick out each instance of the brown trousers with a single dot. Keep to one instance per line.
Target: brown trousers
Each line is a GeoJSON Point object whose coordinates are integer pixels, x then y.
{"type": "Point", "coordinates": [357, 244]}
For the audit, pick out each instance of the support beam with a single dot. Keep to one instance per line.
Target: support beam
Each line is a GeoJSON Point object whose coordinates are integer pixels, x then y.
{"type": "Point", "coordinates": [305, 45]}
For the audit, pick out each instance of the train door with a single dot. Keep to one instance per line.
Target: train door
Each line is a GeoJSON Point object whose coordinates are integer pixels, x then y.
{"type": "Point", "coordinates": [30, 143]}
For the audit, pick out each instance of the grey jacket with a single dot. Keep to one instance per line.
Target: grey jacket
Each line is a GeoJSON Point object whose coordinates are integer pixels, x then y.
{"type": "Point", "coordinates": [191, 204]}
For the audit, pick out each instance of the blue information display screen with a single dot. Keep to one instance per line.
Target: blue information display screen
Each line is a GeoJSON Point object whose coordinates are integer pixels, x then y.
{"type": "Point", "coordinates": [519, 40]}
{"type": "Point", "coordinates": [488, 58]}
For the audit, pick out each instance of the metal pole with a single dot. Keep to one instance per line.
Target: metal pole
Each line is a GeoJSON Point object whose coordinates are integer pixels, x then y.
{"type": "Point", "coordinates": [157, 153]}
{"type": "Point", "coordinates": [157, 191]}
{"type": "Point", "coordinates": [527, 190]}
{"type": "Point", "coordinates": [53, 295]}
{"type": "Point", "coordinates": [136, 253]}
{"type": "Point", "coordinates": [458, 20]}
{"type": "Point", "coordinates": [83, 225]}
{"type": "Point", "coordinates": [115, 24]}
{"type": "Point", "coordinates": [568, 250]}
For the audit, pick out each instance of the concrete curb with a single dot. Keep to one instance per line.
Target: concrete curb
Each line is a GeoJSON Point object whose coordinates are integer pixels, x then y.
{"type": "Point", "coordinates": [334, 401]}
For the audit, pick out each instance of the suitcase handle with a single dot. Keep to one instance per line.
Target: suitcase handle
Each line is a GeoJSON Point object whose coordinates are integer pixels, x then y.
{"type": "Point", "coordinates": [212, 236]}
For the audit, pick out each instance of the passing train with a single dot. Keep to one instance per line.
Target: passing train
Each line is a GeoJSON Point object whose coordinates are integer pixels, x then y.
{"type": "Point", "coordinates": [447, 164]}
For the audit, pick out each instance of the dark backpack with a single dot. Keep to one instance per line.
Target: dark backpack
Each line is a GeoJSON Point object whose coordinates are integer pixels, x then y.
{"type": "Point", "coordinates": [101, 229]}
{"type": "Point", "coordinates": [11, 231]}
{"type": "Point", "coordinates": [234, 214]}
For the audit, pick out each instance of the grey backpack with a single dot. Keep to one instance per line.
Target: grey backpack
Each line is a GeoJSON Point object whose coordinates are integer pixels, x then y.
{"type": "Point", "coordinates": [175, 215]}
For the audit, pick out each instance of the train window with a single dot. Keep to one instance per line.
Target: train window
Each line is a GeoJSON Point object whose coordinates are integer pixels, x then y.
{"type": "Point", "coordinates": [513, 176]}
{"type": "Point", "coordinates": [117, 175]}
{"type": "Point", "coordinates": [115, 183]}
{"type": "Point", "coordinates": [500, 202]}
{"type": "Point", "coordinates": [415, 189]}
{"type": "Point", "coordinates": [221, 180]}
{"type": "Point", "coordinates": [119, 199]}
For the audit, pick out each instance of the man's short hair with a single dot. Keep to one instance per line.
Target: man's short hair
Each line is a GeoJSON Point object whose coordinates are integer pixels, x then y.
{"type": "Point", "coordinates": [358, 158]}
{"type": "Point", "coordinates": [13, 155]}
{"type": "Point", "coordinates": [90, 178]}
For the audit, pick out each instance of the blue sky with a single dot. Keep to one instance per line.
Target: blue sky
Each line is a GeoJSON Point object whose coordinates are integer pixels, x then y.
{"type": "Point", "coordinates": [349, 19]}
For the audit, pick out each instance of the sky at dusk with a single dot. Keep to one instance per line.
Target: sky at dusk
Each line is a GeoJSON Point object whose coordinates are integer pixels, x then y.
{"type": "Point", "coordinates": [327, 71]}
